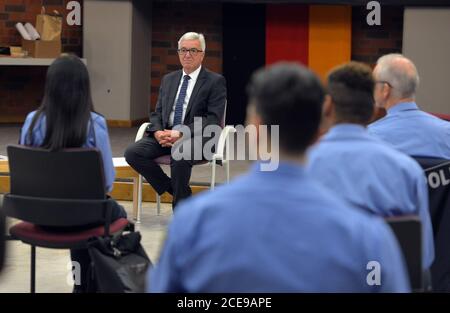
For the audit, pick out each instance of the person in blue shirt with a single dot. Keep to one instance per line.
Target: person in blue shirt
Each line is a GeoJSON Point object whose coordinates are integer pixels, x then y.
{"type": "Point", "coordinates": [366, 172]}
{"type": "Point", "coordinates": [405, 126]}
{"type": "Point", "coordinates": [96, 137]}
{"type": "Point", "coordinates": [279, 230]}
{"type": "Point", "coordinates": [66, 119]}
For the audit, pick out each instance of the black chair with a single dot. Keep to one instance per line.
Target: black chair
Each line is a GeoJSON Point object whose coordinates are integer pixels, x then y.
{"type": "Point", "coordinates": [56, 195]}
{"type": "Point", "coordinates": [408, 230]}
{"type": "Point", "coordinates": [437, 172]}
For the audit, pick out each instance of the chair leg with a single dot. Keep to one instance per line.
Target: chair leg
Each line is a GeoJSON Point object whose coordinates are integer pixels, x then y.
{"type": "Point", "coordinates": [139, 200]}
{"type": "Point", "coordinates": [227, 168]}
{"type": "Point", "coordinates": [33, 270]}
{"type": "Point", "coordinates": [158, 204]}
{"type": "Point", "coordinates": [213, 174]}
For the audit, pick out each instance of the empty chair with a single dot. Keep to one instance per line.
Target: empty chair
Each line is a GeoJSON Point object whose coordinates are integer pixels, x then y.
{"type": "Point", "coordinates": [407, 230]}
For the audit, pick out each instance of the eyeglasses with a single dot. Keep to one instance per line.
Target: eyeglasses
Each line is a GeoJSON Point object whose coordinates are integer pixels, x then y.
{"type": "Point", "coordinates": [192, 51]}
{"type": "Point", "coordinates": [384, 82]}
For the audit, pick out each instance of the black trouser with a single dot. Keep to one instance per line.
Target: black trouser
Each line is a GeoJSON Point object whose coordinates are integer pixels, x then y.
{"type": "Point", "coordinates": [141, 155]}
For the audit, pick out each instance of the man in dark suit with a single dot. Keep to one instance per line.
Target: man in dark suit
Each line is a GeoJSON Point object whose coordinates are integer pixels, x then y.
{"type": "Point", "coordinates": [187, 94]}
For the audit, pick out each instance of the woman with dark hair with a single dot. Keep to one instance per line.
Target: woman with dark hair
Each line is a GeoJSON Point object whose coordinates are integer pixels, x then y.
{"type": "Point", "coordinates": [66, 119]}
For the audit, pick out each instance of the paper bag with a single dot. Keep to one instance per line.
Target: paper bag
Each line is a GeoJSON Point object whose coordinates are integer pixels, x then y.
{"type": "Point", "coordinates": [49, 26]}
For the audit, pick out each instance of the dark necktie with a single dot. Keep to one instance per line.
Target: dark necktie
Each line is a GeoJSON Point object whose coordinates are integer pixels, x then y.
{"type": "Point", "coordinates": [178, 117]}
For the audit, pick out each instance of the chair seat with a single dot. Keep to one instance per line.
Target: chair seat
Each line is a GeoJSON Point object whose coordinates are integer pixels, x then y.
{"type": "Point", "coordinates": [164, 160]}
{"type": "Point", "coordinates": [41, 237]}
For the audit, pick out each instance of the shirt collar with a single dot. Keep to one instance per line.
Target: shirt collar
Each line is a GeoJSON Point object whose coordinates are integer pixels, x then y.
{"type": "Point", "coordinates": [194, 74]}
{"type": "Point", "coordinates": [403, 106]}
{"type": "Point", "coordinates": [345, 129]}
{"type": "Point", "coordinates": [284, 168]}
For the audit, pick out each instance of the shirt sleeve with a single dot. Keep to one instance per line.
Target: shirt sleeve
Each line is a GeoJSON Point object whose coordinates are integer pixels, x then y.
{"type": "Point", "coordinates": [102, 143]}
{"type": "Point", "coordinates": [25, 129]}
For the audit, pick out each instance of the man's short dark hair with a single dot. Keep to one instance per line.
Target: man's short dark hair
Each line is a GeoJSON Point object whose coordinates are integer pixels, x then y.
{"type": "Point", "coordinates": [351, 88]}
{"type": "Point", "coordinates": [291, 96]}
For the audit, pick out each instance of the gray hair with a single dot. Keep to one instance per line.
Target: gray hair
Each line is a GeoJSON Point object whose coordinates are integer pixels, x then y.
{"type": "Point", "coordinates": [400, 72]}
{"type": "Point", "coordinates": [193, 36]}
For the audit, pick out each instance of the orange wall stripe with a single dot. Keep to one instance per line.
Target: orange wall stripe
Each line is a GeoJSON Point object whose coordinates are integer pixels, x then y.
{"type": "Point", "coordinates": [330, 28]}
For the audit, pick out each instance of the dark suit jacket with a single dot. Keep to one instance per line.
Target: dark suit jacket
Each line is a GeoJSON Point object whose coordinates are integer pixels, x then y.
{"type": "Point", "coordinates": [207, 101]}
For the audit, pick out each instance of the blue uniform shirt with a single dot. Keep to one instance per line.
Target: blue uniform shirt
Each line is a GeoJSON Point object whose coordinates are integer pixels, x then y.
{"type": "Point", "coordinates": [370, 175]}
{"type": "Point", "coordinates": [413, 131]}
{"type": "Point", "coordinates": [97, 138]}
{"type": "Point", "coordinates": [275, 232]}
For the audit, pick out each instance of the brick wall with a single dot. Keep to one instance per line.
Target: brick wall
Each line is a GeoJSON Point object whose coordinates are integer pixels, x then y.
{"type": "Point", "coordinates": [14, 11]}
{"type": "Point", "coordinates": [21, 88]}
{"type": "Point", "coordinates": [371, 42]}
{"type": "Point", "coordinates": [170, 21]}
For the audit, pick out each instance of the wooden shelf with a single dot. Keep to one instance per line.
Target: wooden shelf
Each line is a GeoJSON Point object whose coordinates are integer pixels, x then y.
{"type": "Point", "coordinates": [12, 119]}
{"type": "Point", "coordinates": [8, 61]}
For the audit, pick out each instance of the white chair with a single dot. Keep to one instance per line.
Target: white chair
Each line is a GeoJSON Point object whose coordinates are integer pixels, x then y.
{"type": "Point", "coordinates": [222, 156]}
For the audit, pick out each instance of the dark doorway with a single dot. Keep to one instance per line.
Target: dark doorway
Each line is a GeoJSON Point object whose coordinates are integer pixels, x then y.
{"type": "Point", "coordinates": [243, 53]}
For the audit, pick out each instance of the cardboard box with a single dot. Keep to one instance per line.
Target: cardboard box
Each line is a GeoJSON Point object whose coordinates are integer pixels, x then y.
{"type": "Point", "coordinates": [42, 49]}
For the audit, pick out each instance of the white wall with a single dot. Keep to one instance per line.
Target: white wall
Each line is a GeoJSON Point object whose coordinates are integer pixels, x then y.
{"type": "Point", "coordinates": [117, 46]}
{"type": "Point", "coordinates": [141, 59]}
{"type": "Point", "coordinates": [106, 46]}
{"type": "Point", "coordinates": [426, 40]}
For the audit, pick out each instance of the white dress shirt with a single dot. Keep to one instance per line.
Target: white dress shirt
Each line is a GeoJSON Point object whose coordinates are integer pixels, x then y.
{"type": "Point", "coordinates": [190, 88]}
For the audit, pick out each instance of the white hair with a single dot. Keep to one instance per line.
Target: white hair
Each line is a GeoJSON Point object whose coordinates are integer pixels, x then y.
{"type": "Point", "coordinates": [403, 79]}
{"type": "Point", "coordinates": [193, 36]}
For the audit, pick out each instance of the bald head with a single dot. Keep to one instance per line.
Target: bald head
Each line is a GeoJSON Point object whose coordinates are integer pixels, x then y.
{"type": "Point", "coordinates": [400, 73]}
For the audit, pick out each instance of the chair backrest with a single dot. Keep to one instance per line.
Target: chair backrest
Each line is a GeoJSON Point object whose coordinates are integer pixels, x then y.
{"type": "Point", "coordinates": [437, 172]}
{"type": "Point", "coordinates": [63, 188]}
{"type": "Point", "coordinates": [223, 122]}
{"type": "Point", "coordinates": [69, 174]}
{"type": "Point", "coordinates": [430, 163]}
{"type": "Point", "coordinates": [408, 230]}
